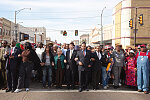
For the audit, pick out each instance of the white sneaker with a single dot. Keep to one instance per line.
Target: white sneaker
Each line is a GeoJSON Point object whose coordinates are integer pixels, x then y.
{"type": "Point", "coordinates": [27, 89]}
{"type": "Point", "coordinates": [105, 87]}
{"type": "Point", "coordinates": [120, 84]}
{"type": "Point", "coordinates": [17, 90]}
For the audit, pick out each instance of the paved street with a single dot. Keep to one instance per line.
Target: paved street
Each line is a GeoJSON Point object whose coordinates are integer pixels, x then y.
{"type": "Point", "coordinates": [37, 93]}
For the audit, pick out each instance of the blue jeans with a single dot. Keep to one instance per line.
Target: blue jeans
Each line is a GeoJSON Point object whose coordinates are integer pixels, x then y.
{"type": "Point", "coordinates": [105, 77]}
{"type": "Point", "coordinates": [47, 70]}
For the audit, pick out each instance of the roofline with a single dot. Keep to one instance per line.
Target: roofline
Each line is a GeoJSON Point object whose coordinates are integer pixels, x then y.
{"type": "Point", "coordinates": [130, 8]}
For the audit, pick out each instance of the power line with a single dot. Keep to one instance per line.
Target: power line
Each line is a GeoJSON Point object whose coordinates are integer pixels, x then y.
{"type": "Point", "coordinates": [60, 18]}
{"type": "Point", "coordinates": [59, 11]}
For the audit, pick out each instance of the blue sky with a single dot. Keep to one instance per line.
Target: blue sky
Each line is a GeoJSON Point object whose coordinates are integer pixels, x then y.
{"type": "Point", "coordinates": [57, 15]}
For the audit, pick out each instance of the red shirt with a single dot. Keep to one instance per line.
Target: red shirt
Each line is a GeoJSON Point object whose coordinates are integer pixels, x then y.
{"type": "Point", "coordinates": [143, 54]}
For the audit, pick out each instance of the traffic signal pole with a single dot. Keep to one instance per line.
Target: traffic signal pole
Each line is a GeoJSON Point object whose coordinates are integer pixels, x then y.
{"type": "Point", "coordinates": [135, 27]}
{"type": "Point", "coordinates": [15, 27]}
{"type": "Point", "coordinates": [102, 41]}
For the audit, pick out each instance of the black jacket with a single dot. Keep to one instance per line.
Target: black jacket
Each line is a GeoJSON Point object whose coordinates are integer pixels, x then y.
{"type": "Point", "coordinates": [44, 57]}
{"type": "Point", "coordinates": [98, 62]}
{"type": "Point", "coordinates": [71, 62]}
{"type": "Point", "coordinates": [35, 59]}
{"type": "Point", "coordinates": [86, 60]}
{"type": "Point", "coordinates": [13, 63]}
{"type": "Point", "coordinates": [105, 59]}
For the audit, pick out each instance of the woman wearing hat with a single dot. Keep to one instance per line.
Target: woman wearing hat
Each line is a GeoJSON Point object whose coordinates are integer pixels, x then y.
{"type": "Point", "coordinates": [131, 69]}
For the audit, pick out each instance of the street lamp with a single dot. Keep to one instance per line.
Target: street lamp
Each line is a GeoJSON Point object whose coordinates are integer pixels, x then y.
{"type": "Point", "coordinates": [101, 43]}
{"type": "Point", "coordinates": [16, 12]}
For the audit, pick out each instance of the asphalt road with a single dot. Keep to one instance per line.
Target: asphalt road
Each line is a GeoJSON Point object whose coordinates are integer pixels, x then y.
{"type": "Point", "coordinates": [57, 95]}
{"type": "Point", "coordinates": [37, 93]}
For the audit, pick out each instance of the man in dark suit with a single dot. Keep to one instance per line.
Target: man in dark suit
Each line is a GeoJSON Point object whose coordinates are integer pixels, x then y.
{"type": "Point", "coordinates": [84, 62]}
{"type": "Point", "coordinates": [96, 73]}
{"type": "Point", "coordinates": [12, 65]}
{"type": "Point", "coordinates": [71, 68]}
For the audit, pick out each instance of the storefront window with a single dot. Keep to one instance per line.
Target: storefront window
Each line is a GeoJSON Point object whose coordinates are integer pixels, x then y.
{"type": "Point", "coordinates": [4, 32]}
{"type": "Point", "coordinates": [0, 31]}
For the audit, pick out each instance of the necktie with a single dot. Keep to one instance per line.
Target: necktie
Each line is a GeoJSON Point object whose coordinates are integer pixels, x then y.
{"type": "Point", "coordinates": [70, 54]}
{"type": "Point", "coordinates": [83, 53]}
{"type": "Point", "coordinates": [11, 50]}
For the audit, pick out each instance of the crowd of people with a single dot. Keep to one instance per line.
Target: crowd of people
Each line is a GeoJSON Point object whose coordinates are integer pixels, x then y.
{"type": "Point", "coordinates": [73, 65]}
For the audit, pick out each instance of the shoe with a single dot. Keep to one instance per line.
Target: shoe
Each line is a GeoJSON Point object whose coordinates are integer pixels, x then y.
{"type": "Point", "coordinates": [94, 89]}
{"type": "Point", "coordinates": [97, 87]}
{"type": "Point", "coordinates": [18, 90]}
{"type": "Point", "coordinates": [86, 89]}
{"type": "Point", "coordinates": [72, 87]}
{"type": "Point", "coordinates": [4, 88]}
{"type": "Point", "coordinates": [120, 84]}
{"type": "Point", "coordinates": [8, 90]}
{"type": "Point", "coordinates": [105, 87]}
{"type": "Point", "coordinates": [115, 87]}
{"type": "Point", "coordinates": [80, 89]}
{"type": "Point", "coordinates": [49, 86]}
{"type": "Point", "coordinates": [12, 91]}
{"type": "Point", "coordinates": [145, 92]}
{"type": "Point", "coordinates": [140, 91]}
{"type": "Point", "coordinates": [27, 89]}
{"type": "Point", "coordinates": [68, 87]}
{"type": "Point", "coordinates": [60, 87]}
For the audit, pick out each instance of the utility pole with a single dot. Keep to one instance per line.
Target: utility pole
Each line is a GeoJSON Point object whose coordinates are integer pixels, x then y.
{"type": "Point", "coordinates": [135, 31]}
{"type": "Point", "coordinates": [102, 43]}
{"type": "Point", "coordinates": [35, 34]}
{"type": "Point", "coordinates": [15, 27]}
{"type": "Point", "coordinates": [16, 12]}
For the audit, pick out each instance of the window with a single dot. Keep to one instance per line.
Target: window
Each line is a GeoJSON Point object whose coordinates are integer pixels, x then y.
{"type": "Point", "coordinates": [4, 32]}
{"type": "Point", "coordinates": [0, 31]}
{"type": "Point", "coordinates": [9, 33]}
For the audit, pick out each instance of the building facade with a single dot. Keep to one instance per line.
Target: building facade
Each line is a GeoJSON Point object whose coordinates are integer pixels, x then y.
{"type": "Point", "coordinates": [40, 34]}
{"type": "Point", "coordinates": [48, 40]}
{"type": "Point", "coordinates": [84, 38]}
{"type": "Point", "coordinates": [95, 35]}
{"type": "Point", "coordinates": [76, 42]}
{"type": "Point", "coordinates": [5, 33]}
{"type": "Point", "coordinates": [122, 13]}
{"type": "Point", "coordinates": [1, 26]}
{"type": "Point", "coordinates": [25, 33]}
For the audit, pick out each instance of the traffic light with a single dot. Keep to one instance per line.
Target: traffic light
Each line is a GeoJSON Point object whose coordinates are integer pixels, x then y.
{"type": "Point", "coordinates": [141, 19]}
{"type": "Point", "coordinates": [131, 23]}
{"type": "Point", "coordinates": [76, 32]}
{"type": "Point", "coordinates": [64, 33]}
